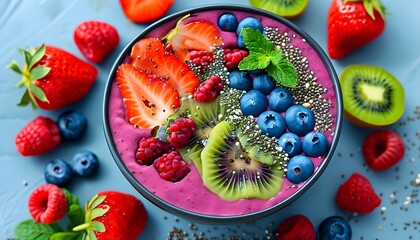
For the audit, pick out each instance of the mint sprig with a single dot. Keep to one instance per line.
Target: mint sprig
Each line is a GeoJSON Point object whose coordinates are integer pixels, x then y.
{"type": "Point", "coordinates": [263, 55]}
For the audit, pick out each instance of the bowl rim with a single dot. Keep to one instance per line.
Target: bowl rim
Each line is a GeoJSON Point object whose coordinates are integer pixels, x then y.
{"type": "Point", "coordinates": [207, 218]}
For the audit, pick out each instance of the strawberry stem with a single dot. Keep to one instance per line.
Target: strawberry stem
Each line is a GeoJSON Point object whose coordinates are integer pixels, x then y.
{"type": "Point", "coordinates": [370, 7]}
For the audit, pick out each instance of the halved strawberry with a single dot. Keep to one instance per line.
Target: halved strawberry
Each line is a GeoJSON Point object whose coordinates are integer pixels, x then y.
{"type": "Point", "coordinates": [148, 100]}
{"type": "Point", "coordinates": [150, 55]}
{"type": "Point", "coordinates": [145, 10]}
{"type": "Point", "coordinates": [196, 35]}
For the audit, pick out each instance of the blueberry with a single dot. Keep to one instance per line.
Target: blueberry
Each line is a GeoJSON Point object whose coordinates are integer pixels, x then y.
{"type": "Point", "coordinates": [240, 80]}
{"type": "Point", "coordinates": [334, 228]}
{"type": "Point", "coordinates": [280, 100]}
{"type": "Point", "coordinates": [314, 144]}
{"type": "Point", "coordinates": [72, 125]}
{"type": "Point", "coordinates": [291, 144]}
{"type": "Point", "coordinates": [299, 120]}
{"type": "Point", "coordinates": [271, 123]}
{"type": "Point", "coordinates": [256, 72]}
{"type": "Point", "coordinates": [253, 103]}
{"type": "Point", "coordinates": [228, 22]}
{"type": "Point", "coordinates": [248, 22]}
{"type": "Point", "coordinates": [85, 163]}
{"type": "Point", "coordinates": [58, 172]}
{"type": "Point", "coordinates": [299, 169]}
{"type": "Point", "coordinates": [263, 83]}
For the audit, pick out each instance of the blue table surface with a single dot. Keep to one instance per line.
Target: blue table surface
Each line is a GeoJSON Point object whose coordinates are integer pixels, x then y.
{"type": "Point", "coordinates": [32, 22]}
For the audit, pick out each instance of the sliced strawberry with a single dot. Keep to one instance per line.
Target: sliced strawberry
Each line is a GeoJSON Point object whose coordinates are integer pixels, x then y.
{"type": "Point", "coordinates": [149, 55]}
{"type": "Point", "coordinates": [382, 149]}
{"type": "Point", "coordinates": [197, 35]}
{"type": "Point", "coordinates": [145, 10]}
{"type": "Point", "coordinates": [148, 100]}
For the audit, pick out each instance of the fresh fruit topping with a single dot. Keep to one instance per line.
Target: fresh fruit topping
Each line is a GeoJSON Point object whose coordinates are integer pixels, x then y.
{"type": "Point", "coordinates": [96, 39]}
{"type": "Point", "coordinates": [143, 11]}
{"type": "Point", "coordinates": [372, 97]}
{"type": "Point", "coordinates": [263, 83]}
{"type": "Point", "coordinates": [334, 228]}
{"type": "Point", "coordinates": [58, 172]}
{"type": "Point", "coordinates": [357, 195]}
{"type": "Point", "coordinates": [291, 144]}
{"type": "Point", "coordinates": [247, 22]}
{"type": "Point", "coordinates": [233, 57]}
{"type": "Point", "coordinates": [180, 132]}
{"type": "Point", "coordinates": [285, 8]}
{"type": "Point", "coordinates": [299, 120]}
{"type": "Point", "coordinates": [271, 124]}
{"type": "Point", "coordinates": [47, 204]}
{"type": "Point", "coordinates": [150, 149]}
{"type": "Point", "coordinates": [280, 100]}
{"type": "Point", "coordinates": [240, 80]}
{"type": "Point", "coordinates": [209, 89]}
{"type": "Point", "coordinates": [382, 149]}
{"type": "Point", "coordinates": [315, 144]}
{"type": "Point", "coordinates": [195, 35]}
{"type": "Point", "coordinates": [228, 22]}
{"type": "Point", "coordinates": [148, 100]}
{"type": "Point", "coordinates": [39, 136]}
{"type": "Point", "coordinates": [72, 125]}
{"type": "Point", "coordinates": [253, 103]}
{"type": "Point", "coordinates": [201, 59]}
{"type": "Point", "coordinates": [171, 167]}
{"type": "Point", "coordinates": [296, 227]}
{"type": "Point", "coordinates": [233, 169]}
{"type": "Point", "coordinates": [113, 215]}
{"type": "Point", "coordinates": [53, 77]}
{"type": "Point", "coordinates": [85, 163]}
{"type": "Point", "coordinates": [263, 55]}
{"type": "Point", "coordinates": [150, 55]}
{"type": "Point", "coordinates": [352, 24]}
{"type": "Point", "coordinates": [299, 169]}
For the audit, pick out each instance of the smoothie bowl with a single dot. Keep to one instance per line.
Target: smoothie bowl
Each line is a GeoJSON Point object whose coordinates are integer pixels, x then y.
{"type": "Point", "coordinates": [222, 114]}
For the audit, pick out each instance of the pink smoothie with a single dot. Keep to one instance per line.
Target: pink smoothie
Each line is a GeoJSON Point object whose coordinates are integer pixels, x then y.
{"type": "Point", "coordinates": [190, 193]}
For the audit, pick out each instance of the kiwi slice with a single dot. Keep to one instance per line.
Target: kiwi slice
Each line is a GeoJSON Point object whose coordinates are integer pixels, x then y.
{"type": "Point", "coordinates": [372, 96]}
{"type": "Point", "coordinates": [230, 171]}
{"type": "Point", "coordinates": [284, 8]}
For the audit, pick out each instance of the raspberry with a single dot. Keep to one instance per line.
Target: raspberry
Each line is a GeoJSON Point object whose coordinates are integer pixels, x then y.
{"type": "Point", "coordinates": [47, 204]}
{"type": "Point", "coordinates": [150, 149]}
{"type": "Point", "coordinates": [382, 149]}
{"type": "Point", "coordinates": [296, 227]}
{"type": "Point", "coordinates": [181, 130]}
{"type": "Point", "coordinates": [356, 195]}
{"type": "Point", "coordinates": [208, 90]}
{"type": "Point", "coordinates": [201, 58]}
{"type": "Point", "coordinates": [171, 167]}
{"type": "Point", "coordinates": [233, 57]}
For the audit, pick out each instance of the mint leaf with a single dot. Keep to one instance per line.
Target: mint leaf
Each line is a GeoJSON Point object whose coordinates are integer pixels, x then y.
{"type": "Point", "coordinates": [75, 212]}
{"type": "Point", "coordinates": [29, 230]}
{"type": "Point", "coordinates": [256, 42]}
{"type": "Point", "coordinates": [254, 61]}
{"type": "Point", "coordinates": [284, 72]}
{"type": "Point", "coordinates": [66, 236]}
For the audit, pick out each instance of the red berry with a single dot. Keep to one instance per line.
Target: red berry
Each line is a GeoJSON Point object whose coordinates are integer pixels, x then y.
{"type": "Point", "coordinates": [382, 149]}
{"type": "Point", "coordinates": [357, 195]}
{"type": "Point", "coordinates": [41, 135]}
{"type": "Point", "coordinates": [47, 204]}
{"type": "Point", "coordinates": [209, 89]}
{"type": "Point", "coordinates": [149, 149]}
{"type": "Point", "coordinates": [181, 130]}
{"type": "Point", "coordinates": [296, 227]}
{"type": "Point", "coordinates": [96, 39]}
{"type": "Point", "coordinates": [201, 59]}
{"type": "Point", "coordinates": [233, 57]}
{"type": "Point", "coordinates": [171, 167]}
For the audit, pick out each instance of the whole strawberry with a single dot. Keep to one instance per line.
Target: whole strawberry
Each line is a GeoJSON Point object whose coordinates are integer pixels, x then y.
{"type": "Point", "coordinates": [352, 24]}
{"type": "Point", "coordinates": [114, 215]}
{"type": "Point", "coordinates": [53, 77]}
{"type": "Point", "coordinates": [41, 135]}
{"type": "Point", "coordinates": [96, 39]}
{"type": "Point", "coordinates": [357, 195]}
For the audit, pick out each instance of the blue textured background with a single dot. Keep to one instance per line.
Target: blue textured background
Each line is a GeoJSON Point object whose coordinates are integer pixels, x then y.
{"type": "Point", "coordinates": [32, 22]}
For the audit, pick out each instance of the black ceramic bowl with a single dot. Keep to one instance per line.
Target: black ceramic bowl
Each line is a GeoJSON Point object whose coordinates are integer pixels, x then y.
{"type": "Point", "coordinates": [333, 89]}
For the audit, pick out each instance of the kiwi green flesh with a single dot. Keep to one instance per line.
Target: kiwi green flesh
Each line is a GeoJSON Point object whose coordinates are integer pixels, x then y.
{"type": "Point", "coordinates": [284, 8]}
{"type": "Point", "coordinates": [229, 171]}
{"type": "Point", "coordinates": [372, 95]}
